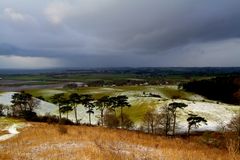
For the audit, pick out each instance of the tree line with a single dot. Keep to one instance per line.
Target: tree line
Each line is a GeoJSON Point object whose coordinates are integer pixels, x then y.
{"type": "Point", "coordinates": [224, 89]}
{"type": "Point", "coordinates": [110, 108]}
{"type": "Point", "coordinates": [70, 103]}
{"type": "Point", "coordinates": [165, 120]}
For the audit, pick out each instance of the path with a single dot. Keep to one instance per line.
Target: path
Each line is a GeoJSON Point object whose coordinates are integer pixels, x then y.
{"type": "Point", "coordinates": [12, 132]}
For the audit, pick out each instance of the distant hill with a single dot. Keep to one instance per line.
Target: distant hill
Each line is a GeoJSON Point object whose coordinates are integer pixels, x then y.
{"type": "Point", "coordinates": [224, 89]}
{"type": "Point", "coordinates": [162, 71]}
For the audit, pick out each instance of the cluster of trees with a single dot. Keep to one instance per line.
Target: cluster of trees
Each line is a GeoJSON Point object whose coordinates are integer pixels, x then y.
{"type": "Point", "coordinates": [2, 108]}
{"type": "Point", "coordinates": [127, 82]}
{"type": "Point", "coordinates": [224, 89]}
{"type": "Point", "coordinates": [23, 105]}
{"type": "Point", "coordinates": [117, 82]}
{"type": "Point", "coordinates": [70, 103]}
{"type": "Point", "coordinates": [165, 121]}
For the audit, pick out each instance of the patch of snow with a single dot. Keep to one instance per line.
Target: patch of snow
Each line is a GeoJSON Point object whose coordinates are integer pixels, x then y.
{"type": "Point", "coordinates": [12, 132]}
{"type": "Point", "coordinates": [139, 152]}
{"type": "Point", "coordinates": [46, 107]}
{"type": "Point", "coordinates": [6, 97]}
{"type": "Point", "coordinates": [196, 97]}
{"type": "Point", "coordinates": [63, 146]}
{"type": "Point", "coordinates": [212, 112]}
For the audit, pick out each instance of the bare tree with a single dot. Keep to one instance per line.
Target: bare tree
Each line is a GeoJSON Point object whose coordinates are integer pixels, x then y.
{"type": "Point", "coordinates": [2, 107]}
{"type": "Point", "coordinates": [234, 124]}
{"type": "Point", "coordinates": [167, 119]}
{"type": "Point", "coordinates": [149, 120]}
{"type": "Point", "coordinates": [110, 119]}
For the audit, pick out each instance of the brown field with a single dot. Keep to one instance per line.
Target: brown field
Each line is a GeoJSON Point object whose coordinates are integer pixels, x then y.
{"type": "Point", "coordinates": [42, 141]}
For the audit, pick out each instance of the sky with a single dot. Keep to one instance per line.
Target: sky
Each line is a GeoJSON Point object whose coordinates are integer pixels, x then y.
{"type": "Point", "coordinates": [119, 33]}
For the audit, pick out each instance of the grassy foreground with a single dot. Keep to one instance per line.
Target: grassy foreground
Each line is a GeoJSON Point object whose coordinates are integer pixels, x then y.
{"type": "Point", "coordinates": [43, 141]}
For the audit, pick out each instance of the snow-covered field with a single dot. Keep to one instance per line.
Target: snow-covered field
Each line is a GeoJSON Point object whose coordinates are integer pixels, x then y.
{"type": "Point", "coordinates": [215, 113]}
{"type": "Point", "coordinates": [46, 107]}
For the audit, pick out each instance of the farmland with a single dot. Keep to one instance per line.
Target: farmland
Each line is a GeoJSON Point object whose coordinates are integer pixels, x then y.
{"type": "Point", "coordinates": [145, 93]}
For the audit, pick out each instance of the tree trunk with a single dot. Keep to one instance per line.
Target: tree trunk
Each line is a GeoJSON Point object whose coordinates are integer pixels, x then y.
{"type": "Point", "coordinates": [148, 127]}
{"type": "Point", "coordinates": [89, 117]}
{"type": "Point", "coordinates": [21, 108]}
{"type": "Point", "coordinates": [167, 125]}
{"type": "Point", "coordinates": [75, 111]}
{"type": "Point", "coordinates": [152, 127]}
{"type": "Point", "coordinates": [189, 128]}
{"type": "Point", "coordinates": [102, 118]}
{"type": "Point", "coordinates": [174, 123]}
{"type": "Point", "coordinates": [121, 117]}
{"type": "Point", "coordinates": [60, 115]}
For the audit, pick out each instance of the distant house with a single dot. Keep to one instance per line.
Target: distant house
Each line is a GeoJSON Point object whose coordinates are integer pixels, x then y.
{"type": "Point", "coordinates": [81, 84]}
{"type": "Point", "coordinates": [73, 85]}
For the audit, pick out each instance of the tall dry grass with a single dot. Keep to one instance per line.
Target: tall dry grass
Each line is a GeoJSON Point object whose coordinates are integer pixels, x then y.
{"type": "Point", "coordinates": [43, 141]}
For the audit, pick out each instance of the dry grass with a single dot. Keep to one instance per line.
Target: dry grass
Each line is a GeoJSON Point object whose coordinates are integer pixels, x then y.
{"type": "Point", "coordinates": [43, 141]}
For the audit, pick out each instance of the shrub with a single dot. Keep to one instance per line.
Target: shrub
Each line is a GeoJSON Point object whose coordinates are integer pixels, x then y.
{"type": "Point", "coordinates": [111, 120]}
{"type": "Point", "coordinates": [65, 121]}
{"type": "Point", "coordinates": [127, 122]}
{"type": "Point", "coordinates": [29, 115]}
{"type": "Point", "coordinates": [62, 129]}
{"type": "Point", "coordinates": [50, 119]}
{"type": "Point", "coordinates": [213, 139]}
{"type": "Point", "coordinates": [234, 125]}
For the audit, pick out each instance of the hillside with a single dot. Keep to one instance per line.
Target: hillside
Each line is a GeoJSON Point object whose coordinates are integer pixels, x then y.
{"type": "Point", "coordinates": [43, 141]}
{"type": "Point", "coordinates": [215, 113]}
{"type": "Point", "coordinates": [223, 89]}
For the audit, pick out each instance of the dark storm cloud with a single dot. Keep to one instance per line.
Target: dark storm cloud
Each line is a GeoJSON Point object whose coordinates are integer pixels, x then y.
{"type": "Point", "coordinates": [137, 32]}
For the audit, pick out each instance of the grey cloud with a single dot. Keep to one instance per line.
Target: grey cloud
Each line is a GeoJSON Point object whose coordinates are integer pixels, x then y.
{"type": "Point", "coordinates": [137, 32]}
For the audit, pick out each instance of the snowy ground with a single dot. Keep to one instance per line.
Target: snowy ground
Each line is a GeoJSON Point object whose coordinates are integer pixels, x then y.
{"type": "Point", "coordinates": [9, 127]}
{"type": "Point", "coordinates": [215, 114]}
{"type": "Point", "coordinates": [46, 107]}
{"type": "Point", "coordinates": [12, 131]}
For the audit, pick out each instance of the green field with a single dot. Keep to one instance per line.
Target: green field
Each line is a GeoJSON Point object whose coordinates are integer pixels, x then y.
{"type": "Point", "coordinates": [140, 103]}
{"type": "Point", "coordinates": [165, 91]}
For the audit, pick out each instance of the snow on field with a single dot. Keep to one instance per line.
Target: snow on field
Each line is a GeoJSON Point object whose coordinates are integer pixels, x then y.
{"type": "Point", "coordinates": [213, 112]}
{"type": "Point", "coordinates": [196, 97]}
{"type": "Point", "coordinates": [46, 107]}
{"type": "Point", "coordinates": [11, 128]}
{"type": "Point", "coordinates": [5, 98]}
{"type": "Point", "coordinates": [12, 132]}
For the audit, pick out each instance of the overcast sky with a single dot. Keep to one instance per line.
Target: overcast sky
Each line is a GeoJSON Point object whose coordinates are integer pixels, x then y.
{"type": "Point", "coordinates": [119, 33]}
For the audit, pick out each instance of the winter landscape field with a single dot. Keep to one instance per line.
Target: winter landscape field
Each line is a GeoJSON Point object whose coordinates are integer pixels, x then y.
{"type": "Point", "coordinates": [119, 80]}
{"type": "Point", "coordinates": [141, 103]}
{"type": "Point", "coordinates": [142, 134]}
